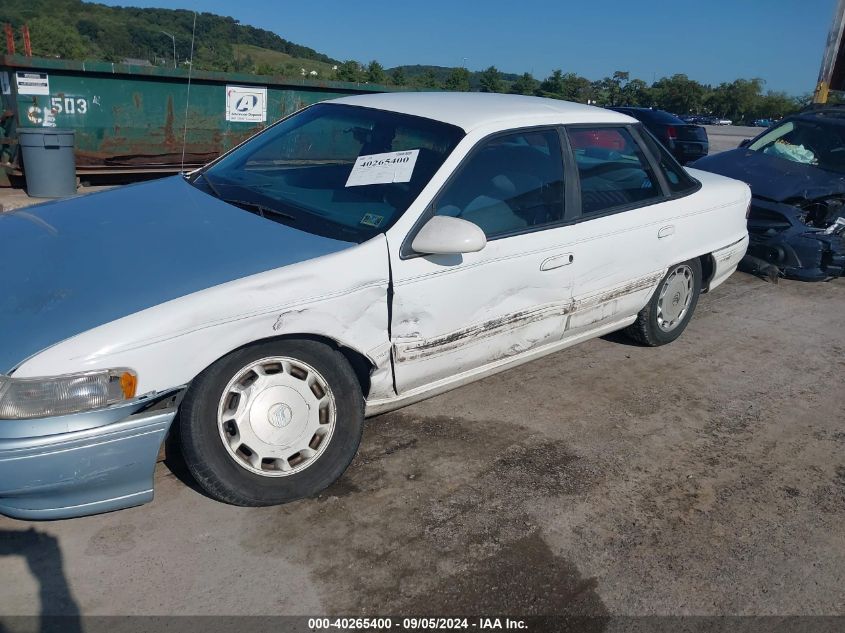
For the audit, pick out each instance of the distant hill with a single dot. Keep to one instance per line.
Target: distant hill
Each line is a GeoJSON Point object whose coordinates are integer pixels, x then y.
{"type": "Point", "coordinates": [73, 29]}
{"type": "Point", "coordinates": [266, 61]}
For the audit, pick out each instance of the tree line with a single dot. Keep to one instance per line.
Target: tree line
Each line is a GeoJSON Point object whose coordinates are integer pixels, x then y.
{"type": "Point", "coordinates": [739, 100]}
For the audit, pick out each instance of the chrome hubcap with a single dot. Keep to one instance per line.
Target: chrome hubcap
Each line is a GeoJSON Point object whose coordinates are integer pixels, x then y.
{"type": "Point", "coordinates": [276, 416]}
{"type": "Point", "coordinates": [674, 298]}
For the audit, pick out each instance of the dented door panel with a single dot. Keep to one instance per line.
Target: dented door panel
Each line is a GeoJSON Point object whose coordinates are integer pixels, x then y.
{"type": "Point", "coordinates": [454, 314]}
{"type": "Point", "coordinates": [620, 261]}
{"type": "Point", "coordinates": [623, 257]}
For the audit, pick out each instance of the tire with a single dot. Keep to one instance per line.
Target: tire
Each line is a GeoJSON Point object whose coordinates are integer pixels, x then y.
{"type": "Point", "coordinates": [259, 395]}
{"type": "Point", "coordinates": [654, 325]}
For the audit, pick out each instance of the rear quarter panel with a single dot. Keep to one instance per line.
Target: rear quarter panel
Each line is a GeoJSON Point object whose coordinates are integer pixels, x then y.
{"type": "Point", "coordinates": [710, 219]}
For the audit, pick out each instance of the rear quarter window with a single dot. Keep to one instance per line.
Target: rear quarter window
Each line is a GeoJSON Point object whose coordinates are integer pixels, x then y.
{"type": "Point", "coordinates": [679, 181]}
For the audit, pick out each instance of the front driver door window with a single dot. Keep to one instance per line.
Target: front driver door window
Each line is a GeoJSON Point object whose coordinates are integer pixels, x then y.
{"type": "Point", "coordinates": [511, 183]}
{"type": "Point", "coordinates": [458, 314]}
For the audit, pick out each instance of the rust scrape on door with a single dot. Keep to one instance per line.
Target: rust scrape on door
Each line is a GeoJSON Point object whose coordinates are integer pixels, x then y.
{"type": "Point", "coordinates": [642, 283]}
{"type": "Point", "coordinates": [416, 349]}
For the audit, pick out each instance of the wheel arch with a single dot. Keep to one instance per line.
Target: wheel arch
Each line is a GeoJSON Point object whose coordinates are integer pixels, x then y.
{"type": "Point", "coordinates": [361, 364]}
{"type": "Point", "coordinates": [708, 270]}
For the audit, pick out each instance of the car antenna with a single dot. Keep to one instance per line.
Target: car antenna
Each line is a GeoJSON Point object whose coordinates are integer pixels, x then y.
{"type": "Point", "coordinates": [188, 96]}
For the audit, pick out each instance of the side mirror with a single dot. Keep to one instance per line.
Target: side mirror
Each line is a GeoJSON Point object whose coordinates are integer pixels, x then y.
{"type": "Point", "coordinates": [745, 142]}
{"type": "Point", "coordinates": [445, 235]}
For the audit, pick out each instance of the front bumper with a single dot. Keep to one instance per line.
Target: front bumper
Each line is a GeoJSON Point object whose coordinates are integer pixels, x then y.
{"type": "Point", "coordinates": [85, 463]}
{"type": "Point", "coordinates": [779, 237]}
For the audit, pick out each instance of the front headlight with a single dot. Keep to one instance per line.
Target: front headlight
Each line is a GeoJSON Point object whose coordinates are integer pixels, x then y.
{"type": "Point", "coordinates": [24, 398]}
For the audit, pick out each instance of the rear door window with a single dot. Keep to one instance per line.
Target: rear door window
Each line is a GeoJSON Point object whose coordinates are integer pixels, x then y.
{"type": "Point", "coordinates": [613, 171]}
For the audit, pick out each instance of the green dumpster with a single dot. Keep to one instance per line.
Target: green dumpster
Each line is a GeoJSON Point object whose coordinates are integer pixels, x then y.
{"type": "Point", "coordinates": [137, 118]}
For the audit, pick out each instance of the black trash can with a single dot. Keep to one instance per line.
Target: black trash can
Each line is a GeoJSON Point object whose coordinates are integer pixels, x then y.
{"type": "Point", "coordinates": [48, 162]}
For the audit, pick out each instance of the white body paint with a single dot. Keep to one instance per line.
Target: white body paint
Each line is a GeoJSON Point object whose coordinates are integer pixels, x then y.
{"type": "Point", "coordinates": [454, 318]}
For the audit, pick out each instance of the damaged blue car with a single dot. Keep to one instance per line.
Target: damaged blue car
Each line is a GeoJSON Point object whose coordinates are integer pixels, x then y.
{"type": "Point", "coordinates": [796, 171]}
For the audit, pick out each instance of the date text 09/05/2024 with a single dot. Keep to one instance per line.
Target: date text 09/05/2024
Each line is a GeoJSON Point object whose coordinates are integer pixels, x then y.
{"type": "Point", "coordinates": [413, 624]}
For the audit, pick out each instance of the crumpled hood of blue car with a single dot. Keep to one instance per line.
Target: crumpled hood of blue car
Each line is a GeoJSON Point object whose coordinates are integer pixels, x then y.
{"type": "Point", "coordinates": [73, 265]}
{"type": "Point", "coordinates": [772, 177]}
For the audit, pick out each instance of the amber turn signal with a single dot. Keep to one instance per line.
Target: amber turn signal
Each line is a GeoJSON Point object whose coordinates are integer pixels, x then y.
{"type": "Point", "coordinates": [128, 384]}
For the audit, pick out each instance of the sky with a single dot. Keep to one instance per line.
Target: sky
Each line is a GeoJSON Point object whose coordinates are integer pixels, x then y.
{"type": "Point", "coordinates": [780, 41]}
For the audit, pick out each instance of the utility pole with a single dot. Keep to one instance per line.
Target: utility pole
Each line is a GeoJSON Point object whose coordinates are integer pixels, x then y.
{"type": "Point", "coordinates": [10, 39]}
{"type": "Point", "coordinates": [27, 46]}
{"type": "Point", "coordinates": [172, 37]}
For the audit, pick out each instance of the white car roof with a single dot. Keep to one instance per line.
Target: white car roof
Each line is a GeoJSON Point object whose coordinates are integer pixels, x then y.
{"type": "Point", "coordinates": [469, 110]}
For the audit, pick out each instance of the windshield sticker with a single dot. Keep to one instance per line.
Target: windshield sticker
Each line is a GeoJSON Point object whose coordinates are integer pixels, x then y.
{"type": "Point", "coordinates": [380, 169]}
{"type": "Point", "coordinates": [371, 219]}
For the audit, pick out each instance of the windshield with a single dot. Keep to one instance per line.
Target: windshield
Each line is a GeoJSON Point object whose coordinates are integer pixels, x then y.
{"type": "Point", "coordinates": [805, 142]}
{"type": "Point", "coordinates": [340, 171]}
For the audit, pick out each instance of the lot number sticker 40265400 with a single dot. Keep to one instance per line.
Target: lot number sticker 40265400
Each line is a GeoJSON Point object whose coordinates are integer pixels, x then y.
{"type": "Point", "coordinates": [379, 169]}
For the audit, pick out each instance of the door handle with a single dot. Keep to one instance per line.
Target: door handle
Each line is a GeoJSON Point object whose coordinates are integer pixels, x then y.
{"type": "Point", "coordinates": [666, 231]}
{"type": "Point", "coordinates": [550, 263]}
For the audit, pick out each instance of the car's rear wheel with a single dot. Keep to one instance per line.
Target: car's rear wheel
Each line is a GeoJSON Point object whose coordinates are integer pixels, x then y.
{"type": "Point", "coordinates": [272, 422]}
{"type": "Point", "coordinates": [671, 306]}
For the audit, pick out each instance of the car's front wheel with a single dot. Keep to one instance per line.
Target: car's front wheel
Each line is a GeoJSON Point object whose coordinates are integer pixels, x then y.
{"type": "Point", "coordinates": [272, 422]}
{"type": "Point", "coordinates": [671, 306]}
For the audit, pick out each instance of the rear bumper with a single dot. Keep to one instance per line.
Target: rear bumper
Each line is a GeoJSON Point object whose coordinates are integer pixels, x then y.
{"type": "Point", "coordinates": [688, 151]}
{"type": "Point", "coordinates": [726, 261]}
{"type": "Point", "coordinates": [86, 463]}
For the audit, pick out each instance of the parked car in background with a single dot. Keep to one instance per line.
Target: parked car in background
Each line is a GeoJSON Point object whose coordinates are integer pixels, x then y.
{"type": "Point", "coordinates": [700, 119]}
{"type": "Point", "coordinates": [686, 142]}
{"type": "Point", "coordinates": [358, 256]}
{"type": "Point", "coordinates": [762, 123]}
{"type": "Point", "coordinates": [721, 121]}
{"type": "Point", "coordinates": [796, 171]}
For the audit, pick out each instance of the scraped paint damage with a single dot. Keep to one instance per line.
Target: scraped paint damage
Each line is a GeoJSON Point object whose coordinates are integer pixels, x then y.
{"type": "Point", "coordinates": [412, 350]}
{"type": "Point", "coordinates": [512, 327]}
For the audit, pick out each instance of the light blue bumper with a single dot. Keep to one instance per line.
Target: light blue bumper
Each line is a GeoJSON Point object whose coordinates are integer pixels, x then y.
{"type": "Point", "coordinates": [86, 463]}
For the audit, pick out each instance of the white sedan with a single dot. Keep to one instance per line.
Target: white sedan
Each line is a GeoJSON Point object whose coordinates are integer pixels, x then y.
{"type": "Point", "coordinates": [358, 256]}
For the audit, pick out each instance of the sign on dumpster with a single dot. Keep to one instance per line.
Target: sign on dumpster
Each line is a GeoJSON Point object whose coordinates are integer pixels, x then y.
{"type": "Point", "coordinates": [32, 83]}
{"type": "Point", "coordinates": [246, 103]}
